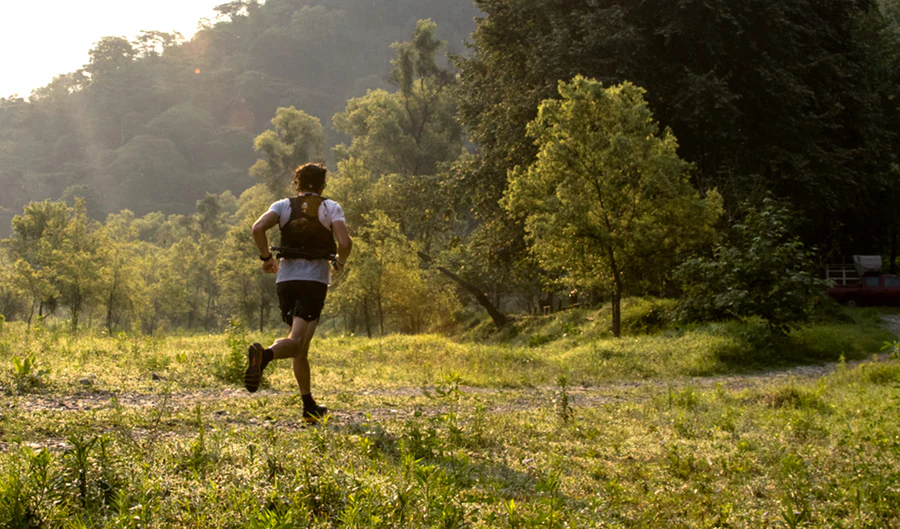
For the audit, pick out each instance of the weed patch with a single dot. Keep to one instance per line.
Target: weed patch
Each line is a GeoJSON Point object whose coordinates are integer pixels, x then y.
{"type": "Point", "coordinates": [794, 398]}
{"type": "Point", "coordinates": [231, 366]}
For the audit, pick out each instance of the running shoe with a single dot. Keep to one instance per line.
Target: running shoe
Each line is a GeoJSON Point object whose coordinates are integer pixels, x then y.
{"type": "Point", "coordinates": [315, 414]}
{"type": "Point", "coordinates": [253, 376]}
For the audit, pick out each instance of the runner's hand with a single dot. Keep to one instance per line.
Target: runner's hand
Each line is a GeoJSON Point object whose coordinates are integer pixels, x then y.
{"type": "Point", "coordinates": [270, 266]}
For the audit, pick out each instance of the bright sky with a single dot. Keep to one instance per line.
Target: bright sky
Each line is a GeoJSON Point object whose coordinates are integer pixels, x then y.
{"type": "Point", "coordinates": [42, 39]}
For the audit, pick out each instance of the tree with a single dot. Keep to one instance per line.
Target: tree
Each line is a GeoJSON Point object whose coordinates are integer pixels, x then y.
{"type": "Point", "coordinates": [76, 264]}
{"type": "Point", "coordinates": [403, 145]}
{"type": "Point", "coordinates": [122, 286]}
{"type": "Point", "coordinates": [154, 43]}
{"type": "Point", "coordinates": [11, 292]}
{"type": "Point", "coordinates": [37, 234]}
{"type": "Point", "coordinates": [245, 290]}
{"type": "Point", "coordinates": [764, 272]}
{"type": "Point", "coordinates": [386, 283]}
{"type": "Point", "coordinates": [608, 197]}
{"type": "Point", "coordinates": [297, 139]}
{"type": "Point", "coordinates": [120, 91]}
{"type": "Point", "coordinates": [167, 295]}
{"type": "Point", "coordinates": [404, 138]}
{"type": "Point", "coordinates": [37, 283]}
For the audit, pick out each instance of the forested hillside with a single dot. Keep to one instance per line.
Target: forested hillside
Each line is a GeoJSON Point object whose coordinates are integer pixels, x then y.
{"type": "Point", "coordinates": [154, 123]}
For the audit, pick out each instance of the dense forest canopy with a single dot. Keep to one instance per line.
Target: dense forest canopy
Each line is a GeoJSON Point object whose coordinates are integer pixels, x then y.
{"type": "Point", "coordinates": [468, 172]}
{"type": "Point", "coordinates": [793, 98]}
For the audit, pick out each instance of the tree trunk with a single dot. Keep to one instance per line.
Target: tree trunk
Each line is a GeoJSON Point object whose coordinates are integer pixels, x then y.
{"type": "Point", "coordinates": [366, 317]}
{"type": "Point", "coordinates": [617, 296]}
{"type": "Point", "coordinates": [110, 300]}
{"type": "Point", "coordinates": [500, 319]}
{"type": "Point", "coordinates": [617, 313]}
{"type": "Point", "coordinates": [109, 312]}
{"type": "Point", "coordinates": [380, 315]}
{"type": "Point", "coordinates": [209, 303]}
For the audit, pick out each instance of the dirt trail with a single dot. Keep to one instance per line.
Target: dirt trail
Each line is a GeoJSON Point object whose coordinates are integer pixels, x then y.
{"type": "Point", "coordinates": [523, 398]}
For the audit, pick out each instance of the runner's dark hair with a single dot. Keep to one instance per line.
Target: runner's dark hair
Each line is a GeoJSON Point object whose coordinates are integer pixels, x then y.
{"type": "Point", "coordinates": [310, 177]}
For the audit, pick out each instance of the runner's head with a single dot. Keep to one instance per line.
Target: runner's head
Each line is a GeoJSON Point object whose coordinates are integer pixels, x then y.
{"type": "Point", "coordinates": [310, 178]}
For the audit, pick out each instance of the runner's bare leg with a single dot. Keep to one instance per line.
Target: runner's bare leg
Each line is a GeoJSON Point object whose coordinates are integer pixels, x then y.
{"type": "Point", "coordinates": [296, 346]}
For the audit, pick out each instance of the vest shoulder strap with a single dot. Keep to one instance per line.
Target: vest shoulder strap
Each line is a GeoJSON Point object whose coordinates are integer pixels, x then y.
{"type": "Point", "coordinates": [305, 206]}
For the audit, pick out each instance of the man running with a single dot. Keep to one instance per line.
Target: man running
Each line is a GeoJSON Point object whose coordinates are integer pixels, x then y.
{"type": "Point", "coordinates": [309, 224]}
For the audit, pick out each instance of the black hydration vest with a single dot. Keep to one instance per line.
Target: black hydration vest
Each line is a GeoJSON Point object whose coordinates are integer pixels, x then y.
{"type": "Point", "coordinates": [304, 236]}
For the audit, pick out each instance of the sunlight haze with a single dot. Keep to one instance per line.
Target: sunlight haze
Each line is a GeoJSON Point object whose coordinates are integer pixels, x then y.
{"type": "Point", "coordinates": [40, 40]}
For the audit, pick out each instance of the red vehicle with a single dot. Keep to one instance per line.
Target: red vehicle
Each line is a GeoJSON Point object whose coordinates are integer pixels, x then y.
{"type": "Point", "coordinates": [860, 282]}
{"type": "Point", "coordinates": [872, 289]}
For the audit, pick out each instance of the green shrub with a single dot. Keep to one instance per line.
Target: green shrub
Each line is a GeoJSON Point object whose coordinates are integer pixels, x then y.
{"type": "Point", "coordinates": [794, 398]}
{"type": "Point", "coordinates": [765, 273]}
{"type": "Point", "coordinates": [647, 315]}
{"type": "Point", "coordinates": [538, 339]}
{"type": "Point", "coordinates": [750, 343]}
{"type": "Point", "coordinates": [881, 373]}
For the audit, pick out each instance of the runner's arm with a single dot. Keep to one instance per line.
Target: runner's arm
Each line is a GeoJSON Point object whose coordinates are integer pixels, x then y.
{"type": "Point", "coordinates": [345, 243]}
{"type": "Point", "coordinates": [267, 221]}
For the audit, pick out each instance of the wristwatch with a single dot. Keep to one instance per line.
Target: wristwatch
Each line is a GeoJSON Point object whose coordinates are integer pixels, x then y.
{"type": "Point", "coordinates": [264, 259]}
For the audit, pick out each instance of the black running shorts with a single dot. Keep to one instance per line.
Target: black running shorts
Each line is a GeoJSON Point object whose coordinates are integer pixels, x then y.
{"type": "Point", "coordinates": [303, 299]}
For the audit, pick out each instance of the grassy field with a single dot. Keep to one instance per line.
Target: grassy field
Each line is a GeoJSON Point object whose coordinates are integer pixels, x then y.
{"type": "Point", "coordinates": [552, 423]}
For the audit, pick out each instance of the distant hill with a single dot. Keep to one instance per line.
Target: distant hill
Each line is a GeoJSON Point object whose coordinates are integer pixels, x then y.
{"type": "Point", "coordinates": [156, 123]}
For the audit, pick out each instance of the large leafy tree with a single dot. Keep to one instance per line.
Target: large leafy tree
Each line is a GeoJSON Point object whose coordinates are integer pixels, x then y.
{"type": "Point", "coordinates": [401, 140]}
{"type": "Point", "coordinates": [403, 144]}
{"type": "Point", "coordinates": [121, 288]}
{"type": "Point", "coordinates": [119, 91]}
{"type": "Point", "coordinates": [608, 198]}
{"type": "Point", "coordinates": [245, 291]}
{"type": "Point", "coordinates": [12, 295]}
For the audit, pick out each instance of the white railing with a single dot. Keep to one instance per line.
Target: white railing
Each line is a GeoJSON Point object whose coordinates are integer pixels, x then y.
{"type": "Point", "coordinates": [842, 274]}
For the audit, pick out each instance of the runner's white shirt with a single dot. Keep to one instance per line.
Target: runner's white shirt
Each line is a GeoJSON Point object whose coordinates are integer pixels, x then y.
{"type": "Point", "coordinates": [305, 269]}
